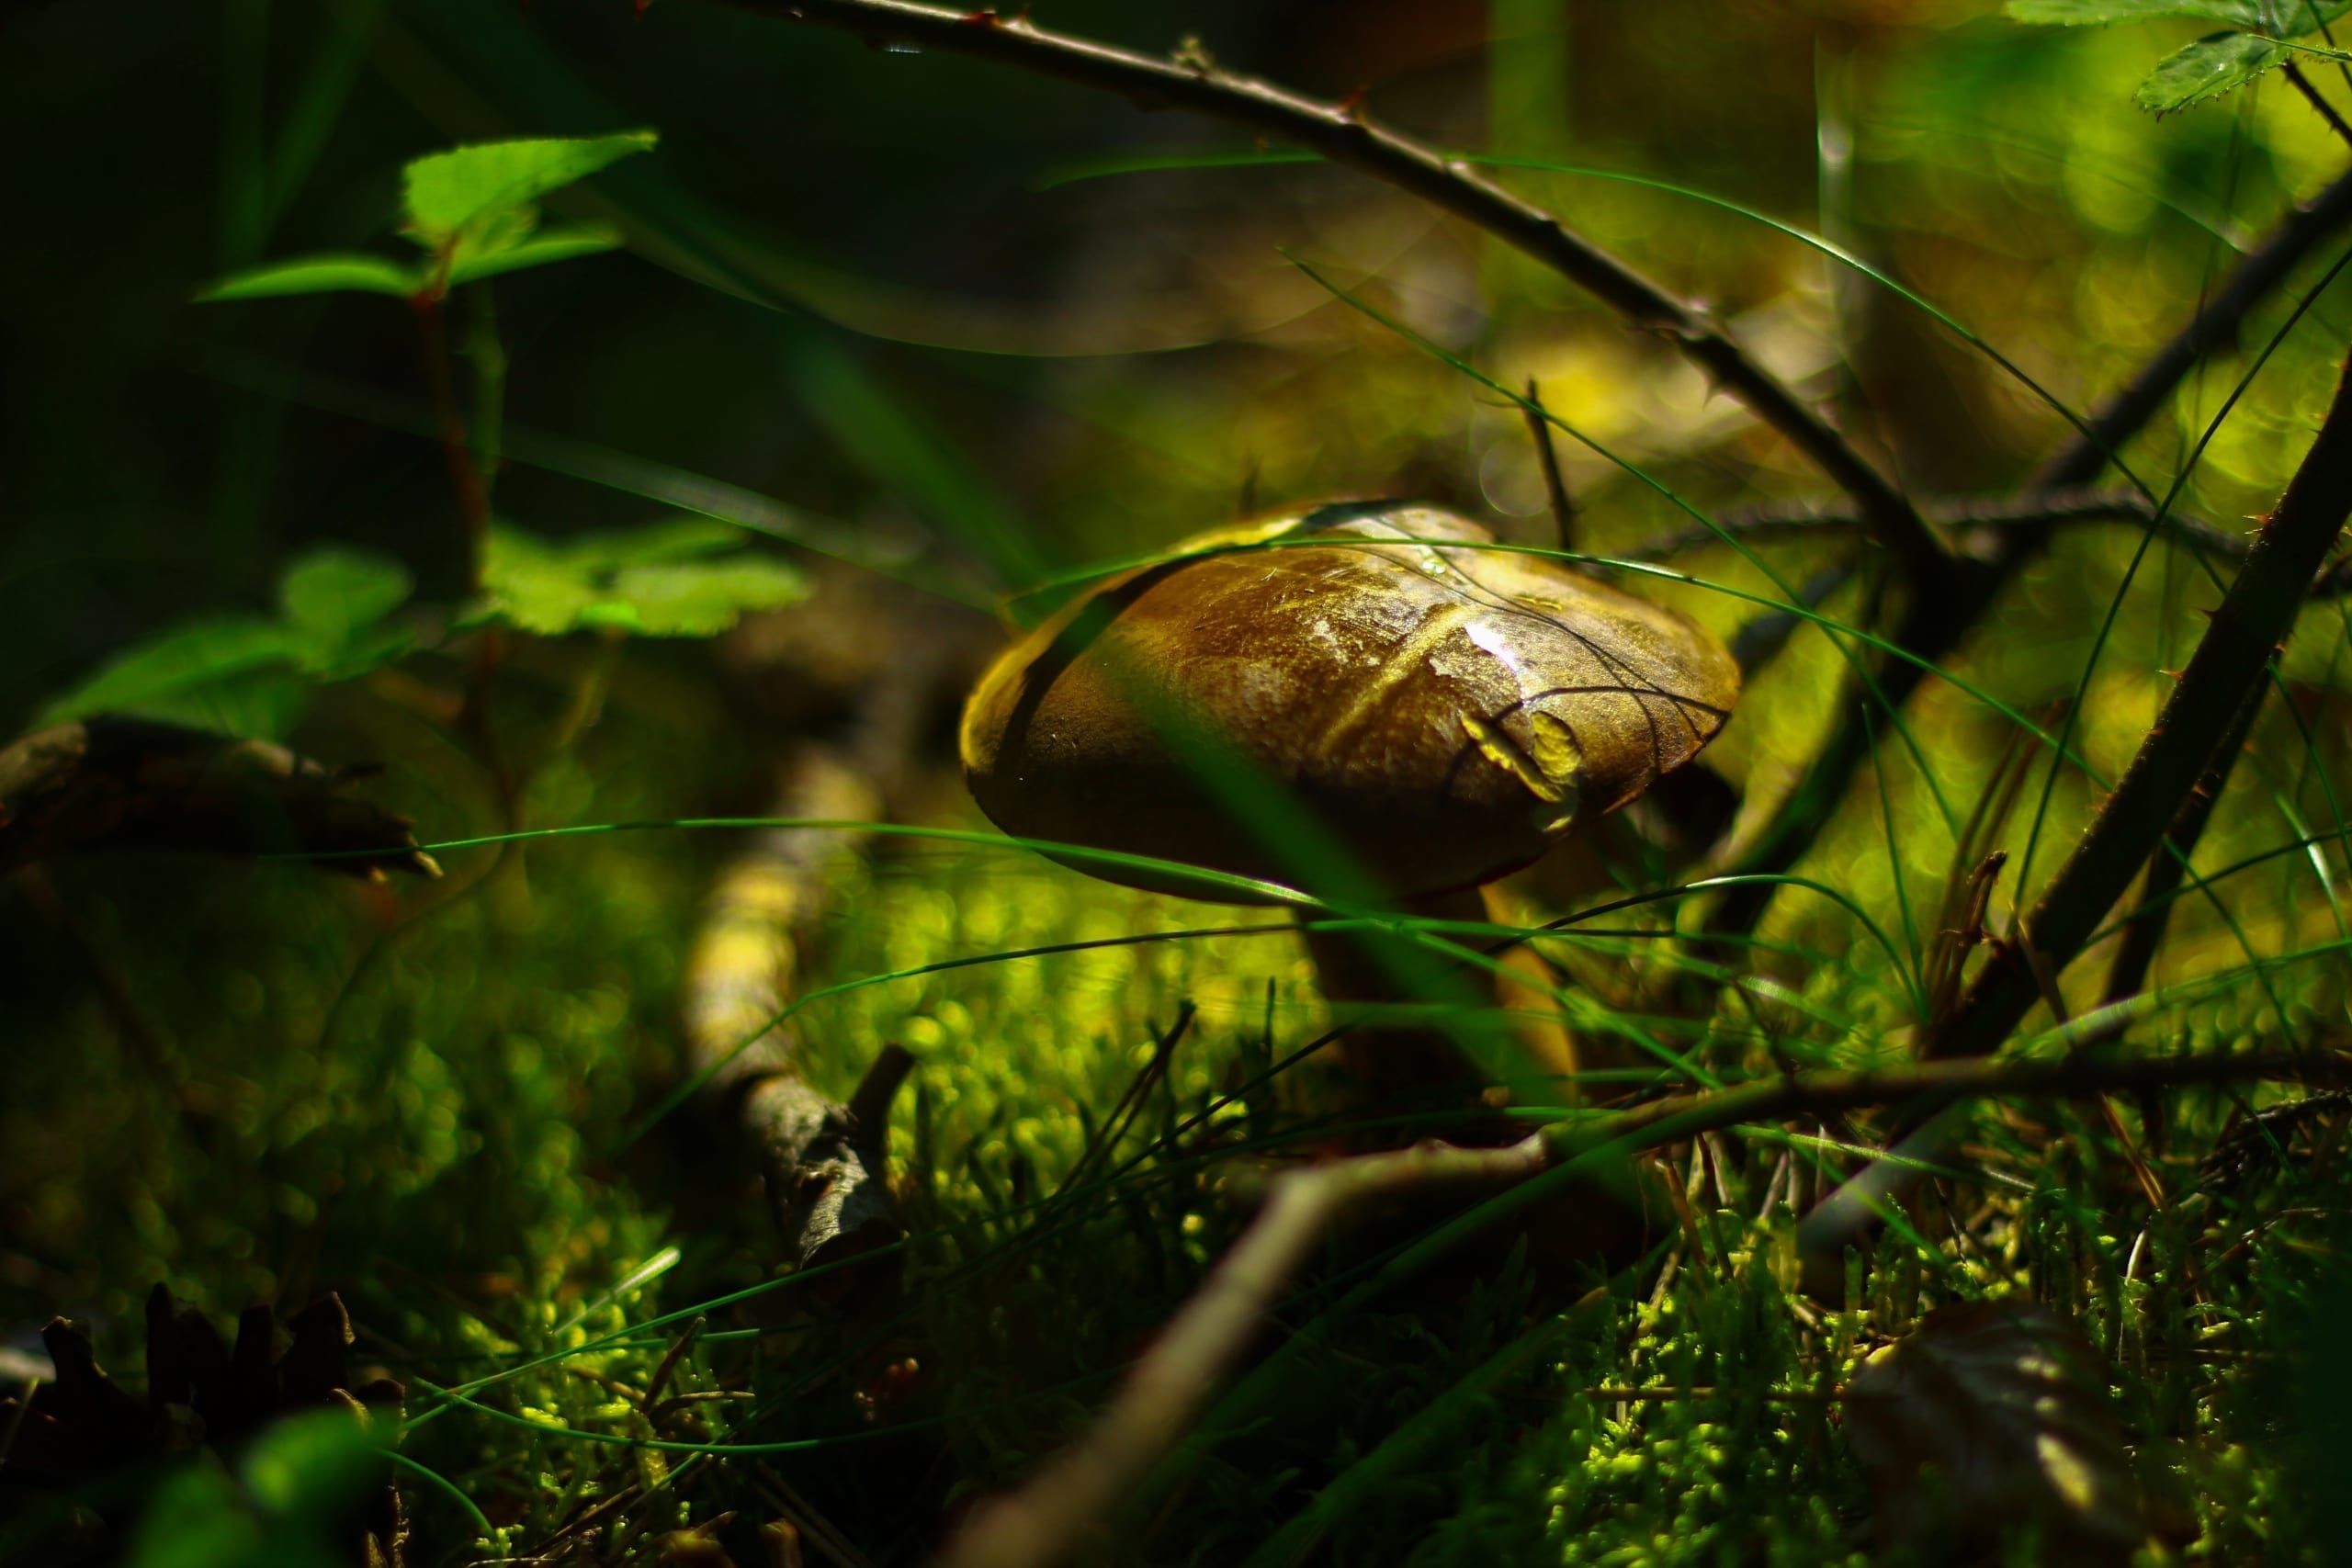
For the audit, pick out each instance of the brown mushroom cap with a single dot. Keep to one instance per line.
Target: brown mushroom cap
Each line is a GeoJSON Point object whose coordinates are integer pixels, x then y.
{"type": "Point", "coordinates": [1444, 714]}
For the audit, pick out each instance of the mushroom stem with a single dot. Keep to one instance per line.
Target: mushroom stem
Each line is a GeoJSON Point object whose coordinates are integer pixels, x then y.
{"type": "Point", "coordinates": [1453, 1050]}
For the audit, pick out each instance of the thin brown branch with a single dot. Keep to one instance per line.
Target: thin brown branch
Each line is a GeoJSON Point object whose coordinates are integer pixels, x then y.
{"type": "Point", "coordinates": [1964, 517]}
{"type": "Point", "coordinates": [2230, 665]}
{"type": "Point", "coordinates": [2144, 932]}
{"type": "Point", "coordinates": [1555, 484]}
{"type": "Point", "coordinates": [2232, 660]}
{"type": "Point", "coordinates": [1342, 133]}
{"type": "Point", "coordinates": [2311, 92]}
{"type": "Point", "coordinates": [457, 452]}
{"type": "Point", "coordinates": [1068, 1503]}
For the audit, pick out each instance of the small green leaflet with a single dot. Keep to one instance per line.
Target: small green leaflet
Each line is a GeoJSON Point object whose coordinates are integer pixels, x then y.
{"type": "Point", "coordinates": [654, 582]}
{"type": "Point", "coordinates": [2279, 18]}
{"type": "Point", "coordinates": [468, 184]}
{"type": "Point", "coordinates": [248, 674]}
{"type": "Point", "coordinates": [473, 209]}
{"type": "Point", "coordinates": [546, 245]}
{"type": "Point", "coordinates": [354, 273]}
{"type": "Point", "coordinates": [2080, 13]}
{"type": "Point", "coordinates": [2207, 69]}
{"type": "Point", "coordinates": [2212, 65]}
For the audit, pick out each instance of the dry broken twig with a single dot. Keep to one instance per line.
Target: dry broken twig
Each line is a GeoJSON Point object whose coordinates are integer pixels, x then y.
{"type": "Point", "coordinates": [822, 1161]}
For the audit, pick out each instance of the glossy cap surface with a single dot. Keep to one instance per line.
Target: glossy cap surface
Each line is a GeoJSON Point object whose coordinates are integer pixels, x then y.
{"type": "Point", "coordinates": [1356, 685]}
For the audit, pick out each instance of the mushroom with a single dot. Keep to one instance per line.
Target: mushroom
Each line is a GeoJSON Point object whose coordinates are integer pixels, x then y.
{"type": "Point", "coordinates": [1349, 702]}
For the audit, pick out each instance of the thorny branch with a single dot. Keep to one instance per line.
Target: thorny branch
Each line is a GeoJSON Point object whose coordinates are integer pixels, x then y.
{"type": "Point", "coordinates": [2252, 620]}
{"type": "Point", "coordinates": [1067, 1504]}
{"type": "Point", "coordinates": [2197, 722]}
{"type": "Point", "coordinates": [1979, 524]}
{"type": "Point", "coordinates": [1342, 133]}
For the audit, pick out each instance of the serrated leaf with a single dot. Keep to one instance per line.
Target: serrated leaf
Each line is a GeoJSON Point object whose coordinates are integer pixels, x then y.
{"type": "Point", "coordinates": [2084, 12]}
{"type": "Point", "coordinates": [2276, 19]}
{"type": "Point", "coordinates": [676, 539]}
{"type": "Point", "coordinates": [1990, 1423]}
{"type": "Point", "coordinates": [646, 582]}
{"type": "Point", "coordinates": [548, 246]}
{"type": "Point", "coordinates": [2208, 68]}
{"type": "Point", "coordinates": [333, 594]}
{"type": "Point", "coordinates": [445, 192]}
{"type": "Point", "coordinates": [705, 598]}
{"type": "Point", "coordinates": [249, 676]}
{"type": "Point", "coordinates": [344, 273]}
{"type": "Point", "coordinates": [188, 665]}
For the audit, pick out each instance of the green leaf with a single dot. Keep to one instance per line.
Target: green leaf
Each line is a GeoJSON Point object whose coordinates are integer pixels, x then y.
{"type": "Point", "coordinates": [647, 581]}
{"type": "Point", "coordinates": [334, 599]}
{"type": "Point", "coordinates": [676, 539]}
{"type": "Point", "coordinates": [335, 594]}
{"type": "Point", "coordinates": [341, 273]}
{"type": "Point", "coordinates": [2208, 68]}
{"type": "Point", "coordinates": [449, 191]}
{"type": "Point", "coordinates": [549, 245]}
{"type": "Point", "coordinates": [704, 598]}
{"type": "Point", "coordinates": [2080, 13]}
{"type": "Point", "coordinates": [247, 675]}
{"type": "Point", "coordinates": [174, 675]}
{"type": "Point", "coordinates": [2277, 18]}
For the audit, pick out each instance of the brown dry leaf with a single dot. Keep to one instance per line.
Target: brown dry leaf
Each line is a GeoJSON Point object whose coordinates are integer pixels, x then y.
{"type": "Point", "coordinates": [1987, 1426]}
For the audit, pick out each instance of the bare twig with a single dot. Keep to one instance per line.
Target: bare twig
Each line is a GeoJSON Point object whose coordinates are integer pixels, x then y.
{"type": "Point", "coordinates": [821, 1160]}
{"type": "Point", "coordinates": [2231, 660]}
{"type": "Point", "coordinates": [829, 1197]}
{"type": "Point", "coordinates": [1555, 486]}
{"type": "Point", "coordinates": [465, 478]}
{"type": "Point", "coordinates": [2145, 928]}
{"type": "Point", "coordinates": [2311, 92]}
{"type": "Point", "coordinates": [1067, 1504]}
{"type": "Point", "coordinates": [1342, 133]}
{"type": "Point", "coordinates": [1989, 513]}
{"type": "Point", "coordinates": [2228, 668]}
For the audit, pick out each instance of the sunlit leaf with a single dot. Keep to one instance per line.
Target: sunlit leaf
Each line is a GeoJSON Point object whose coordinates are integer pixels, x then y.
{"type": "Point", "coordinates": [445, 192]}
{"type": "Point", "coordinates": [2208, 68]}
{"type": "Point", "coordinates": [647, 581]}
{"type": "Point", "coordinates": [704, 598]}
{"type": "Point", "coordinates": [2279, 18]}
{"type": "Point", "coordinates": [2079, 13]}
{"type": "Point", "coordinates": [547, 245]}
{"type": "Point", "coordinates": [337, 274]}
{"type": "Point", "coordinates": [1989, 1424]}
{"type": "Point", "coordinates": [332, 595]}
